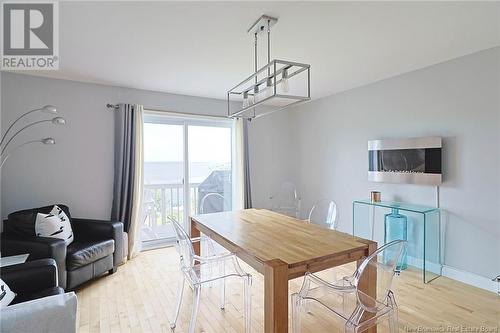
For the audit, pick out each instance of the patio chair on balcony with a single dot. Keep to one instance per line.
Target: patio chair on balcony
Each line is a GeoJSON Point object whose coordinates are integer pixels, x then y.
{"type": "Point", "coordinates": [149, 216]}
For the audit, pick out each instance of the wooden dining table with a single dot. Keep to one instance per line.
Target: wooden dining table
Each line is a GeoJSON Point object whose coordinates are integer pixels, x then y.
{"type": "Point", "coordinates": [282, 248]}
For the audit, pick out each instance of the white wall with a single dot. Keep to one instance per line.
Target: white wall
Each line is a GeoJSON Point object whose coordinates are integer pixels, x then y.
{"type": "Point", "coordinates": [78, 170]}
{"type": "Point", "coordinates": [321, 146]}
{"type": "Point", "coordinates": [271, 155]}
{"type": "Point", "coordinates": [458, 100]}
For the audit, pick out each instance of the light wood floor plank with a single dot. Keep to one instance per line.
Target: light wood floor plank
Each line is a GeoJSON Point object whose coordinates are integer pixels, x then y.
{"type": "Point", "coordinates": [140, 297]}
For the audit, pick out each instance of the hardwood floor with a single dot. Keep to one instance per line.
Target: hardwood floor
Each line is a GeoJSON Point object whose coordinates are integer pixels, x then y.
{"type": "Point", "coordinates": [140, 297]}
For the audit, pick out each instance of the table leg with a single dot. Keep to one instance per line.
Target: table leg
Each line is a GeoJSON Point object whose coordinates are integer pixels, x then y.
{"type": "Point", "coordinates": [368, 284]}
{"type": "Point", "coordinates": [275, 297]}
{"type": "Point", "coordinates": [195, 233]}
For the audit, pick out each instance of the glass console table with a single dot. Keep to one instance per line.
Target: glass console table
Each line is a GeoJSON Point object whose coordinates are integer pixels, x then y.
{"type": "Point", "coordinates": [423, 231]}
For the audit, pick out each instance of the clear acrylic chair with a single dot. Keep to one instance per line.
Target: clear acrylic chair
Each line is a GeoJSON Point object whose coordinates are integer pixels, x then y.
{"type": "Point", "coordinates": [286, 201]}
{"type": "Point", "coordinates": [212, 203]}
{"type": "Point", "coordinates": [324, 213]}
{"type": "Point", "coordinates": [344, 298]}
{"type": "Point", "coordinates": [199, 271]}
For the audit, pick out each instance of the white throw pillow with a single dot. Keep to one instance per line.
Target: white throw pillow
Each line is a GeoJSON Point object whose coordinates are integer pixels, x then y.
{"type": "Point", "coordinates": [65, 219]}
{"type": "Point", "coordinates": [6, 295]}
{"type": "Point", "coordinates": [54, 225]}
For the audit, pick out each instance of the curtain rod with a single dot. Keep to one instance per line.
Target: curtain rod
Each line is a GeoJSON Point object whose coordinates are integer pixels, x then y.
{"type": "Point", "coordinates": [116, 107]}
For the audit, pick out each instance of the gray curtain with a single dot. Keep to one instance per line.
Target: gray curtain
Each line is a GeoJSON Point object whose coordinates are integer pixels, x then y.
{"type": "Point", "coordinates": [247, 195]}
{"type": "Point", "coordinates": [125, 157]}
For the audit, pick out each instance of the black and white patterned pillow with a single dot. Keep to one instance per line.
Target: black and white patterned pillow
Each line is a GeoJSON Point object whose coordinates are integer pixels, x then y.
{"type": "Point", "coordinates": [65, 219]}
{"type": "Point", "coordinates": [6, 295]}
{"type": "Point", "coordinates": [55, 224]}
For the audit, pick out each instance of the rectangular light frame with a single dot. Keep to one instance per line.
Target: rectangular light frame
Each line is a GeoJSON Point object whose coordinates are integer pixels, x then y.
{"type": "Point", "coordinates": [276, 67]}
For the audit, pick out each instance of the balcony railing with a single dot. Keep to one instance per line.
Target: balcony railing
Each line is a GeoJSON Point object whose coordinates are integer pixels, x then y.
{"type": "Point", "coordinates": [162, 201]}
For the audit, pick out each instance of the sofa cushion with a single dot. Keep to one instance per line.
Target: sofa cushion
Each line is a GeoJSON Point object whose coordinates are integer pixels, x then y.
{"type": "Point", "coordinates": [83, 253]}
{"type": "Point", "coordinates": [22, 223]}
{"type": "Point", "coordinates": [40, 294]}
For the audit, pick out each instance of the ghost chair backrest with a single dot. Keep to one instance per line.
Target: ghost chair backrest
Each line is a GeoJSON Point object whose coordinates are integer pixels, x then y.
{"type": "Point", "coordinates": [213, 203]}
{"type": "Point", "coordinates": [184, 245]}
{"type": "Point", "coordinates": [383, 262]}
{"type": "Point", "coordinates": [324, 213]}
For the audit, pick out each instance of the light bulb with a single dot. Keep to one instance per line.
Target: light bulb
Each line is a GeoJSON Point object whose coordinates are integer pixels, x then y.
{"type": "Point", "coordinates": [269, 87]}
{"type": "Point", "coordinates": [246, 102]}
{"type": "Point", "coordinates": [285, 85]}
{"type": "Point", "coordinates": [256, 94]}
{"type": "Point", "coordinates": [58, 121]}
{"type": "Point", "coordinates": [49, 109]}
{"type": "Point", "coordinates": [48, 141]}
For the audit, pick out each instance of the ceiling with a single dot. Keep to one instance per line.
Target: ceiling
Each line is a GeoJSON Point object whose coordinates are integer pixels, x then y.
{"type": "Point", "coordinates": [202, 48]}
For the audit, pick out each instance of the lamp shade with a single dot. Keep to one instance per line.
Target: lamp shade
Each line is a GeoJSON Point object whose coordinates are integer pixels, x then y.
{"type": "Point", "coordinates": [48, 141]}
{"type": "Point", "coordinates": [49, 109]}
{"type": "Point", "coordinates": [58, 121]}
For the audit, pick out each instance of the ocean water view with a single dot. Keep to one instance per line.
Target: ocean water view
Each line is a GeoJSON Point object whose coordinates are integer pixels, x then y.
{"type": "Point", "coordinates": [156, 173]}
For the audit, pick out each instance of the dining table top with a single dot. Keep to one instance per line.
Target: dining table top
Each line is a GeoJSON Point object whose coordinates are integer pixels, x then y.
{"type": "Point", "coordinates": [264, 235]}
{"type": "Point", "coordinates": [283, 248]}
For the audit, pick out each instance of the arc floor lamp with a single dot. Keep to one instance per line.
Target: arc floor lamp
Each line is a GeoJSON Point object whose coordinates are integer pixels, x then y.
{"type": "Point", "coordinates": [5, 142]}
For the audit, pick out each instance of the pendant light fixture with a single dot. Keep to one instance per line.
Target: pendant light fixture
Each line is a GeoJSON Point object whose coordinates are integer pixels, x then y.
{"type": "Point", "coordinates": [269, 88]}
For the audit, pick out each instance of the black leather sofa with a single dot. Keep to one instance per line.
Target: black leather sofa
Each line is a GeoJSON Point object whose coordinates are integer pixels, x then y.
{"type": "Point", "coordinates": [97, 246]}
{"type": "Point", "coordinates": [32, 280]}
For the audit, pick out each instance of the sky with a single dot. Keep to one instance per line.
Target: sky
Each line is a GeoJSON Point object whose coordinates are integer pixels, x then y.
{"type": "Point", "coordinates": [164, 143]}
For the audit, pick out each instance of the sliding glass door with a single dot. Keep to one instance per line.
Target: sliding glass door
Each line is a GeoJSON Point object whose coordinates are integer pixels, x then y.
{"type": "Point", "coordinates": [188, 169]}
{"type": "Point", "coordinates": [210, 168]}
{"type": "Point", "coordinates": [163, 179]}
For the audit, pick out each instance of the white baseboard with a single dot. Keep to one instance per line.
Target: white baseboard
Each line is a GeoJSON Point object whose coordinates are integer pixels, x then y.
{"type": "Point", "coordinates": [457, 274]}
{"type": "Point", "coordinates": [470, 278]}
{"type": "Point", "coordinates": [429, 265]}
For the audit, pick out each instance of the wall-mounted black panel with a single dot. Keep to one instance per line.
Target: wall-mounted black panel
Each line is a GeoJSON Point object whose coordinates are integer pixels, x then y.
{"type": "Point", "coordinates": [413, 161]}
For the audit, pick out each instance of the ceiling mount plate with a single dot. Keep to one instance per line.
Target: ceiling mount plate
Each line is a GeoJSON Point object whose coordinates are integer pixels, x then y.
{"type": "Point", "coordinates": [261, 24]}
